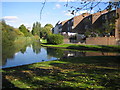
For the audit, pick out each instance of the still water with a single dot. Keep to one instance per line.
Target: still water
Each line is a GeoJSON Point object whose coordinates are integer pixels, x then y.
{"type": "Point", "coordinates": [34, 53]}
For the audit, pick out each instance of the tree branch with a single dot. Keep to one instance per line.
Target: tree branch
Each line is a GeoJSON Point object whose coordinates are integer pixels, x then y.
{"type": "Point", "coordinates": [42, 9]}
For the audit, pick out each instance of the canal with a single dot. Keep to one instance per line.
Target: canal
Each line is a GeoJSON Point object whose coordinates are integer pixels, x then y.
{"type": "Point", "coordinates": [34, 53]}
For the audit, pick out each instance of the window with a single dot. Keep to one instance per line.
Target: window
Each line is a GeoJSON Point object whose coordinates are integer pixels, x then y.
{"type": "Point", "coordinates": [60, 26]}
{"type": "Point", "coordinates": [72, 20]}
{"type": "Point", "coordinates": [105, 16]}
{"type": "Point", "coordinates": [68, 29]}
{"type": "Point", "coordinates": [86, 26]}
{"type": "Point", "coordinates": [89, 18]}
{"type": "Point", "coordinates": [68, 22]}
{"type": "Point", "coordinates": [113, 14]}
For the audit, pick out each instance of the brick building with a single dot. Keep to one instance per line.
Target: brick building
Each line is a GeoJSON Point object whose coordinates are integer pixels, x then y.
{"type": "Point", "coordinates": [100, 24]}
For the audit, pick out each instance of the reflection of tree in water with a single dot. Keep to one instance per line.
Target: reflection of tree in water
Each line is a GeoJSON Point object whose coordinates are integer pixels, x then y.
{"type": "Point", "coordinates": [8, 51]}
{"type": "Point", "coordinates": [53, 52]}
{"type": "Point", "coordinates": [60, 53]}
{"type": "Point", "coordinates": [36, 47]}
{"type": "Point", "coordinates": [23, 49]}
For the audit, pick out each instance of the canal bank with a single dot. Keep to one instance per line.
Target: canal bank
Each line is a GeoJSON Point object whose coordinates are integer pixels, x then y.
{"type": "Point", "coordinates": [105, 48]}
{"type": "Point", "coordinates": [72, 72]}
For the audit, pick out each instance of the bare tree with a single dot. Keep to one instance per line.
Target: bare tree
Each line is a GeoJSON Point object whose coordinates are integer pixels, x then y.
{"type": "Point", "coordinates": [89, 5]}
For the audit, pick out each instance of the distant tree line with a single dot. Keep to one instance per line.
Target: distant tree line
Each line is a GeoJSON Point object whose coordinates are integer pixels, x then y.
{"type": "Point", "coordinates": [42, 32]}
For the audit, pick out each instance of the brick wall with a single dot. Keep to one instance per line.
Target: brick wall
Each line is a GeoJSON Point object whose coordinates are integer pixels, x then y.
{"type": "Point", "coordinates": [101, 40]}
{"type": "Point", "coordinates": [100, 54]}
{"type": "Point", "coordinates": [117, 29]}
{"type": "Point", "coordinates": [66, 40]}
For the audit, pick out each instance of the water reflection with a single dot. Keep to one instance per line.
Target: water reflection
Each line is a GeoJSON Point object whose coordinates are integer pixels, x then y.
{"type": "Point", "coordinates": [36, 48]}
{"type": "Point", "coordinates": [31, 53]}
{"type": "Point", "coordinates": [60, 53]}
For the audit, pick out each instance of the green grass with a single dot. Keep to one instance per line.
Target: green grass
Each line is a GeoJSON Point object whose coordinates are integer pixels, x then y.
{"type": "Point", "coordinates": [113, 48]}
{"type": "Point", "coordinates": [43, 40]}
{"type": "Point", "coordinates": [73, 73]}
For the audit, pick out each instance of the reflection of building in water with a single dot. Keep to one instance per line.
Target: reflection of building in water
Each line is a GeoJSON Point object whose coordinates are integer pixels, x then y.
{"type": "Point", "coordinates": [78, 54]}
{"type": "Point", "coordinates": [101, 54]}
{"type": "Point", "coordinates": [73, 54]}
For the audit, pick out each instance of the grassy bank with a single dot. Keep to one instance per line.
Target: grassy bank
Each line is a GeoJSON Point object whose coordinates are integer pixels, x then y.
{"type": "Point", "coordinates": [78, 72]}
{"type": "Point", "coordinates": [113, 48]}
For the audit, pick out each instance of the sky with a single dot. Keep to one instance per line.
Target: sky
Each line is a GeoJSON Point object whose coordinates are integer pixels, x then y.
{"type": "Point", "coordinates": [27, 13]}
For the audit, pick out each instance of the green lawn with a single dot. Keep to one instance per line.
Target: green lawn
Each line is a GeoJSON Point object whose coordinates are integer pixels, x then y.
{"type": "Point", "coordinates": [43, 40]}
{"type": "Point", "coordinates": [73, 73]}
{"type": "Point", "coordinates": [112, 48]}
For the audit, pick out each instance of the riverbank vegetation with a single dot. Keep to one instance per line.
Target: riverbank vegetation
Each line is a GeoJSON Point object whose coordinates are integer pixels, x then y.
{"type": "Point", "coordinates": [71, 73]}
{"type": "Point", "coordinates": [15, 40]}
{"type": "Point", "coordinates": [55, 39]}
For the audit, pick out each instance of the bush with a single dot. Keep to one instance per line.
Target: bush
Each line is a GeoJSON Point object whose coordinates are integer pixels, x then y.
{"type": "Point", "coordinates": [55, 39]}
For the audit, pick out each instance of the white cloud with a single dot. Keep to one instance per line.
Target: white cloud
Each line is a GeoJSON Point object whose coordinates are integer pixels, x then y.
{"type": "Point", "coordinates": [78, 13]}
{"type": "Point", "coordinates": [85, 11]}
{"type": "Point", "coordinates": [11, 19]}
{"type": "Point", "coordinates": [67, 13]}
{"type": "Point", "coordinates": [58, 6]}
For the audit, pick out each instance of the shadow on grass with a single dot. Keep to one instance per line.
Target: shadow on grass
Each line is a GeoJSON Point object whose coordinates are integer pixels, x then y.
{"type": "Point", "coordinates": [72, 73]}
{"type": "Point", "coordinates": [7, 84]}
{"type": "Point", "coordinates": [99, 48]}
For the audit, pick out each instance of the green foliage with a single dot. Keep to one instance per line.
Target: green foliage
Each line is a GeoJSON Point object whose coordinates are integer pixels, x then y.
{"type": "Point", "coordinates": [25, 31]}
{"type": "Point", "coordinates": [109, 26]}
{"type": "Point", "coordinates": [46, 31]}
{"type": "Point", "coordinates": [43, 40]}
{"type": "Point", "coordinates": [36, 29]}
{"type": "Point", "coordinates": [49, 25]}
{"type": "Point", "coordinates": [55, 39]}
{"type": "Point", "coordinates": [13, 40]}
{"type": "Point", "coordinates": [9, 34]}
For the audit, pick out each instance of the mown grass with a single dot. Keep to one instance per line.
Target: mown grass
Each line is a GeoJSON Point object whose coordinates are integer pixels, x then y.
{"type": "Point", "coordinates": [43, 40]}
{"type": "Point", "coordinates": [112, 48]}
{"type": "Point", "coordinates": [72, 73]}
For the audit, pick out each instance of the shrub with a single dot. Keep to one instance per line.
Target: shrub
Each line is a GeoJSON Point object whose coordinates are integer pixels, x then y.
{"type": "Point", "coordinates": [55, 39]}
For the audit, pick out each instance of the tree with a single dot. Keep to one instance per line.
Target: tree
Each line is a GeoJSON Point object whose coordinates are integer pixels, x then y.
{"type": "Point", "coordinates": [46, 31]}
{"type": "Point", "coordinates": [91, 5]}
{"type": "Point", "coordinates": [108, 27]}
{"type": "Point", "coordinates": [25, 31]}
{"type": "Point", "coordinates": [88, 5]}
{"type": "Point", "coordinates": [49, 25]}
{"type": "Point", "coordinates": [36, 29]}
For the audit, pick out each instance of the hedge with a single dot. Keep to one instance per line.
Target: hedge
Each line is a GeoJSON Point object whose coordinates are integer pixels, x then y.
{"type": "Point", "coordinates": [55, 39]}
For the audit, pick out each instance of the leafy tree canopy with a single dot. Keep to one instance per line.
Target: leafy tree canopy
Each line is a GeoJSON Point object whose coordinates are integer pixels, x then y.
{"type": "Point", "coordinates": [24, 30]}
{"type": "Point", "coordinates": [49, 25]}
{"type": "Point", "coordinates": [36, 28]}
